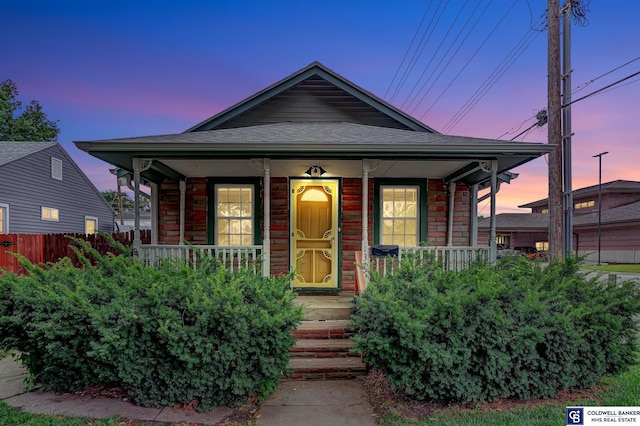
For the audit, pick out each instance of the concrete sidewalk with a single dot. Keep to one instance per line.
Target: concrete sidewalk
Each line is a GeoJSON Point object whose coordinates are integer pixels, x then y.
{"type": "Point", "coordinates": [332, 402]}
{"type": "Point", "coordinates": [317, 403]}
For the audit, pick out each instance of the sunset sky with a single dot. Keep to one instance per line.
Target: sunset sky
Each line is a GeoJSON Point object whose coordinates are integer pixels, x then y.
{"type": "Point", "coordinates": [136, 68]}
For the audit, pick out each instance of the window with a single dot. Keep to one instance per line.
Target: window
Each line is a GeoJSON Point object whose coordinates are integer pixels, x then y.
{"type": "Point", "coordinates": [234, 214]}
{"type": "Point", "coordinates": [4, 218]}
{"type": "Point", "coordinates": [56, 168]}
{"type": "Point", "coordinates": [90, 225]}
{"type": "Point", "coordinates": [505, 240]}
{"type": "Point", "coordinates": [542, 245]}
{"type": "Point", "coordinates": [584, 204]}
{"type": "Point", "coordinates": [399, 215]}
{"type": "Point", "coordinates": [47, 213]}
{"type": "Point", "coordinates": [544, 211]}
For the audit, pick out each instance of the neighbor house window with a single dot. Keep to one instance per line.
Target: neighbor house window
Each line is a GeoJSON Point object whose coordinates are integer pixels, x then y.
{"type": "Point", "coordinates": [47, 213]}
{"type": "Point", "coordinates": [90, 225]}
{"type": "Point", "coordinates": [56, 168]}
{"type": "Point", "coordinates": [399, 215]}
{"type": "Point", "coordinates": [584, 204]}
{"type": "Point", "coordinates": [544, 211]}
{"type": "Point", "coordinates": [542, 245]}
{"type": "Point", "coordinates": [4, 218]}
{"type": "Point", "coordinates": [234, 214]}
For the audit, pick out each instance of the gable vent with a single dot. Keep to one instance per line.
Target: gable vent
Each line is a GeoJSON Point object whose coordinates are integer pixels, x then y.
{"type": "Point", "coordinates": [56, 168]}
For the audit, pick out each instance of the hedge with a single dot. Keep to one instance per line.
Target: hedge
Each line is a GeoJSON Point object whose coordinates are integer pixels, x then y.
{"type": "Point", "coordinates": [167, 334]}
{"type": "Point", "coordinates": [514, 330]}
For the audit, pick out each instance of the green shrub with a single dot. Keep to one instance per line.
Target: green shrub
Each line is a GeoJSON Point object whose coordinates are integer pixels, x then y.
{"type": "Point", "coordinates": [166, 334]}
{"type": "Point", "coordinates": [516, 329]}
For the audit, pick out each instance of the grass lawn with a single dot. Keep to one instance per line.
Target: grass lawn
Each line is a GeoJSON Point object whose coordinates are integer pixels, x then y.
{"type": "Point", "coordinates": [621, 390]}
{"type": "Point", "coordinates": [615, 267]}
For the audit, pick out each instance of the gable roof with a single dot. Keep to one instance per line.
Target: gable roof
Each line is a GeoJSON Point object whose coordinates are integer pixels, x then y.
{"type": "Point", "coordinates": [326, 87]}
{"type": "Point", "coordinates": [12, 151]}
{"type": "Point", "coordinates": [616, 186]}
{"type": "Point", "coordinates": [314, 113]}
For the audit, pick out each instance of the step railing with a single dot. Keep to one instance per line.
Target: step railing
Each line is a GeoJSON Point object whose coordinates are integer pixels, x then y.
{"type": "Point", "coordinates": [232, 257]}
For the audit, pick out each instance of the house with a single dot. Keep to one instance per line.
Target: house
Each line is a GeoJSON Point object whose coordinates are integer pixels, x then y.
{"type": "Point", "coordinates": [309, 171]}
{"type": "Point", "coordinates": [618, 214]}
{"type": "Point", "coordinates": [45, 192]}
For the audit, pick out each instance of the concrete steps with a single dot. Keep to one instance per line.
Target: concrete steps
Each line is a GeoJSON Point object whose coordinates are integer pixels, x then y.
{"type": "Point", "coordinates": [324, 349]}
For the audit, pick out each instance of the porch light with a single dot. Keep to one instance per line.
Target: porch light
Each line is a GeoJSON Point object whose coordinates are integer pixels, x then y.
{"type": "Point", "coordinates": [315, 171]}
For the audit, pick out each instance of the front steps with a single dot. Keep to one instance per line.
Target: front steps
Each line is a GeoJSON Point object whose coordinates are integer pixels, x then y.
{"type": "Point", "coordinates": [324, 349]}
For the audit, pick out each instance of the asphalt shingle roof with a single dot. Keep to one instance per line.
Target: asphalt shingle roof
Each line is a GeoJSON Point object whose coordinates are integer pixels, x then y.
{"type": "Point", "coordinates": [627, 213]}
{"type": "Point", "coordinates": [327, 133]}
{"type": "Point", "coordinates": [11, 151]}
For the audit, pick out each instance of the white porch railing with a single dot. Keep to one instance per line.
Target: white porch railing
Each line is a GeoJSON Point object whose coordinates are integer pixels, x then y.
{"type": "Point", "coordinates": [231, 257]}
{"type": "Point", "coordinates": [455, 258]}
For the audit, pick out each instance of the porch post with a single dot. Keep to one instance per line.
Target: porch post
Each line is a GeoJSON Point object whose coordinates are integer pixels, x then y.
{"type": "Point", "coordinates": [492, 222]}
{"type": "Point", "coordinates": [452, 196]}
{"type": "Point", "coordinates": [139, 165]}
{"type": "Point", "coordinates": [365, 218]}
{"type": "Point", "coordinates": [183, 189]}
{"type": "Point", "coordinates": [474, 215]}
{"type": "Point", "coordinates": [266, 238]}
{"type": "Point", "coordinates": [155, 197]}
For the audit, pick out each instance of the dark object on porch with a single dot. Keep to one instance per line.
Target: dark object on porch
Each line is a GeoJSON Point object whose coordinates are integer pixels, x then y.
{"type": "Point", "coordinates": [381, 250]}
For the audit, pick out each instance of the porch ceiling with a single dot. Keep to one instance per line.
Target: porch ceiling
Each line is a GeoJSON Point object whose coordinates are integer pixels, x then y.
{"type": "Point", "coordinates": [437, 169]}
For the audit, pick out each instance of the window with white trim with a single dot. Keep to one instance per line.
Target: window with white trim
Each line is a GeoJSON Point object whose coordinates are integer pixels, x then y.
{"type": "Point", "coordinates": [234, 214]}
{"type": "Point", "coordinates": [90, 225]}
{"type": "Point", "coordinates": [56, 168]}
{"type": "Point", "coordinates": [399, 215]}
{"type": "Point", "coordinates": [49, 214]}
{"type": "Point", "coordinates": [4, 218]}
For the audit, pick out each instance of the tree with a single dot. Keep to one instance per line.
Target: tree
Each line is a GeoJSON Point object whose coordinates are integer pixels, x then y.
{"type": "Point", "coordinates": [30, 124]}
{"type": "Point", "coordinates": [127, 202]}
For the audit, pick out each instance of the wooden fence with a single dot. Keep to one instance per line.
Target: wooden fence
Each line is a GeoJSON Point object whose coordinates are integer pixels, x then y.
{"type": "Point", "coordinates": [44, 248]}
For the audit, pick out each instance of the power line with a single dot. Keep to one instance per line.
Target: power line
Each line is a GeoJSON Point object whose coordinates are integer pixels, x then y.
{"type": "Point", "coordinates": [596, 92]}
{"type": "Point", "coordinates": [603, 88]}
{"type": "Point", "coordinates": [408, 50]}
{"type": "Point", "coordinates": [493, 78]}
{"type": "Point", "coordinates": [464, 67]}
{"type": "Point", "coordinates": [435, 54]}
{"type": "Point", "coordinates": [420, 48]}
{"type": "Point", "coordinates": [452, 56]}
{"type": "Point", "coordinates": [582, 86]}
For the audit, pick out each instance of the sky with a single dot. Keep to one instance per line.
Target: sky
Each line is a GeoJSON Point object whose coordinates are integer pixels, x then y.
{"type": "Point", "coordinates": [109, 69]}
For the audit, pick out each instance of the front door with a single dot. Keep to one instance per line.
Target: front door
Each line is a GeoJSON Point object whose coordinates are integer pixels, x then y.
{"type": "Point", "coordinates": [314, 233]}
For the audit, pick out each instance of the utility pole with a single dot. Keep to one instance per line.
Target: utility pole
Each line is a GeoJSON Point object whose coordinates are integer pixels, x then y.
{"type": "Point", "coordinates": [554, 131]}
{"type": "Point", "coordinates": [567, 224]}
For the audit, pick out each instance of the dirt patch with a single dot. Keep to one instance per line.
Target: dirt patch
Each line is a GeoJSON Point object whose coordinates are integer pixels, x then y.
{"type": "Point", "coordinates": [385, 401]}
{"type": "Point", "coordinates": [244, 414]}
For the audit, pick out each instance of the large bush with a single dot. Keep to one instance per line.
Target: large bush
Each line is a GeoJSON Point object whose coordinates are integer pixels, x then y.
{"type": "Point", "coordinates": [166, 334]}
{"type": "Point", "coordinates": [517, 329]}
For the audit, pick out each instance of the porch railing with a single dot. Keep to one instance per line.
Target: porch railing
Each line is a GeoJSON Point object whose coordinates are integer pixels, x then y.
{"type": "Point", "coordinates": [231, 257]}
{"type": "Point", "coordinates": [454, 258]}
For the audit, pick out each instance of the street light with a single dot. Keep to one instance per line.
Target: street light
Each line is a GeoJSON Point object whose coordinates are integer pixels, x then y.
{"type": "Point", "coordinates": [599, 199]}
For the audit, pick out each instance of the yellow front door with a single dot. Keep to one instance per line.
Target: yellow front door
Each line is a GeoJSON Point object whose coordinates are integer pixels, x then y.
{"type": "Point", "coordinates": [314, 233]}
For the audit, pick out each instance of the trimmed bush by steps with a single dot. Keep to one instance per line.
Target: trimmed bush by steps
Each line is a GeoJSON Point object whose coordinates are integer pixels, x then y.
{"type": "Point", "coordinates": [517, 329]}
{"type": "Point", "coordinates": [166, 334]}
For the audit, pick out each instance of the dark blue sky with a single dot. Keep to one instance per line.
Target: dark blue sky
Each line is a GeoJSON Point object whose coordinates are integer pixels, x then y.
{"type": "Point", "coordinates": [134, 68]}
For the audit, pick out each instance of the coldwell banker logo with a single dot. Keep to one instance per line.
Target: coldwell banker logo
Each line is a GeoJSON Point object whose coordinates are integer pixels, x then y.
{"type": "Point", "coordinates": [575, 416]}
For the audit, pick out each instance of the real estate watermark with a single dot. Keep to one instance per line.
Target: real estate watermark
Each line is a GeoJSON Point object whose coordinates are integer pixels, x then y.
{"type": "Point", "coordinates": [602, 415]}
